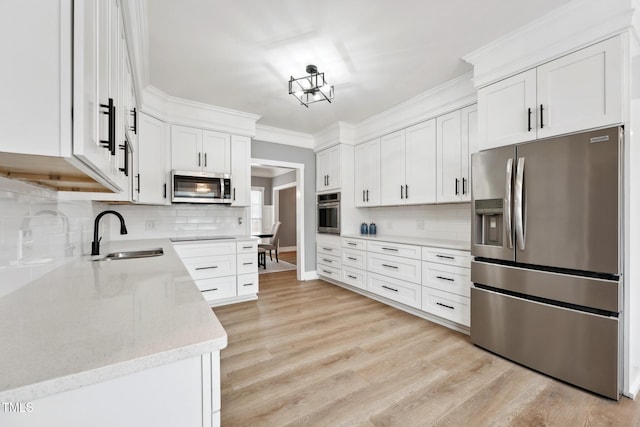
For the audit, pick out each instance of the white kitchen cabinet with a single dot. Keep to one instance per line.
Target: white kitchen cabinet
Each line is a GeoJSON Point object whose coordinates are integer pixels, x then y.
{"type": "Point", "coordinates": [328, 256]}
{"type": "Point", "coordinates": [194, 149]}
{"type": "Point", "coordinates": [224, 271]}
{"type": "Point", "coordinates": [456, 139]}
{"type": "Point", "coordinates": [577, 91]}
{"type": "Point", "coordinates": [394, 289]}
{"type": "Point", "coordinates": [64, 150]}
{"type": "Point", "coordinates": [367, 173]}
{"type": "Point", "coordinates": [152, 177]}
{"type": "Point", "coordinates": [408, 165]}
{"type": "Point", "coordinates": [240, 170]}
{"type": "Point", "coordinates": [328, 169]}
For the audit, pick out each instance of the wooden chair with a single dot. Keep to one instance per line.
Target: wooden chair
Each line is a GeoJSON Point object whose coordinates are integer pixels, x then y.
{"type": "Point", "coordinates": [273, 243]}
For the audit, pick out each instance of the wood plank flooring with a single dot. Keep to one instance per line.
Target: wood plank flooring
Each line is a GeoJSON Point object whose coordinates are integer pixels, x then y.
{"type": "Point", "coordinates": [314, 354]}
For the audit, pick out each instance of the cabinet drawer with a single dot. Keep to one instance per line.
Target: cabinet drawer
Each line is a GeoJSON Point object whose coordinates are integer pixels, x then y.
{"type": "Point", "coordinates": [447, 305]}
{"type": "Point", "coordinates": [353, 258]}
{"type": "Point", "coordinates": [394, 266]}
{"type": "Point", "coordinates": [447, 256]}
{"type": "Point", "coordinates": [192, 250]}
{"type": "Point", "coordinates": [354, 277]}
{"type": "Point", "coordinates": [247, 263]}
{"type": "Point", "coordinates": [217, 287]}
{"type": "Point", "coordinates": [247, 246]}
{"type": "Point", "coordinates": [447, 278]}
{"type": "Point", "coordinates": [397, 290]}
{"type": "Point", "coordinates": [328, 249]}
{"type": "Point", "coordinates": [398, 249]}
{"type": "Point", "coordinates": [211, 266]}
{"type": "Point", "coordinates": [329, 260]}
{"type": "Point", "coordinates": [324, 270]}
{"type": "Point", "coordinates": [247, 284]}
{"type": "Point", "coordinates": [354, 244]}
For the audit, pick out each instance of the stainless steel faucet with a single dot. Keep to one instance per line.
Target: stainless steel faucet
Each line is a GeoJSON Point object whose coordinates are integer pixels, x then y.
{"type": "Point", "coordinates": [95, 245]}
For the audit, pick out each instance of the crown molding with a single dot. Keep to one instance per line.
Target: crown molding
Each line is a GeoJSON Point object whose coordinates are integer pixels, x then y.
{"type": "Point", "coordinates": [337, 133]}
{"type": "Point", "coordinates": [570, 27]}
{"type": "Point", "coordinates": [452, 95]}
{"type": "Point", "coordinates": [284, 136]}
{"type": "Point", "coordinates": [134, 14]}
{"type": "Point", "coordinates": [171, 109]}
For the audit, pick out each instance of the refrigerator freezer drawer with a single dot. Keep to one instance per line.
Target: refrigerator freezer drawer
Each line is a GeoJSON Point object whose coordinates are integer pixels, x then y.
{"type": "Point", "coordinates": [576, 347]}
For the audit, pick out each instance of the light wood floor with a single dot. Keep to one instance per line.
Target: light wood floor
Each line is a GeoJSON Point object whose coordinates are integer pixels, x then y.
{"type": "Point", "coordinates": [314, 354]}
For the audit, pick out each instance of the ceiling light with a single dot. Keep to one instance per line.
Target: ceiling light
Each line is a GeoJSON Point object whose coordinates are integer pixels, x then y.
{"type": "Point", "coordinates": [311, 88]}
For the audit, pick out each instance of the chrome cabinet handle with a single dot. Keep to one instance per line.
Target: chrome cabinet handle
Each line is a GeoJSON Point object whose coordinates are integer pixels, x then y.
{"type": "Point", "coordinates": [507, 203]}
{"type": "Point", "coordinates": [518, 204]}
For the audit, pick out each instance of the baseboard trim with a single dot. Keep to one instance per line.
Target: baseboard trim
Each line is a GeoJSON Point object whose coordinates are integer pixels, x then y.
{"type": "Point", "coordinates": [233, 300]}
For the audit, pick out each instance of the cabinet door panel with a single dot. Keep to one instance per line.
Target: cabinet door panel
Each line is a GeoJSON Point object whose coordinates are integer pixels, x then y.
{"type": "Point", "coordinates": [392, 164]}
{"type": "Point", "coordinates": [186, 148]}
{"type": "Point", "coordinates": [367, 173]}
{"type": "Point", "coordinates": [240, 170]}
{"type": "Point", "coordinates": [151, 182]}
{"type": "Point", "coordinates": [420, 163]}
{"type": "Point", "coordinates": [582, 90]}
{"type": "Point", "coordinates": [469, 145]}
{"type": "Point", "coordinates": [216, 152]}
{"type": "Point", "coordinates": [503, 111]}
{"type": "Point", "coordinates": [449, 152]}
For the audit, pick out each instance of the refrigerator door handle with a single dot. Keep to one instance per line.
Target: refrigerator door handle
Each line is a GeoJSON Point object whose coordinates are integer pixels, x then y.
{"type": "Point", "coordinates": [507, 203]}
{"type": "Point", "coordinates": [518, 207]}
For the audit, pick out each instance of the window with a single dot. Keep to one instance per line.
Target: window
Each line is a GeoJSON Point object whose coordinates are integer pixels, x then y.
{"type": "Point", "coordinates": [257, 203]}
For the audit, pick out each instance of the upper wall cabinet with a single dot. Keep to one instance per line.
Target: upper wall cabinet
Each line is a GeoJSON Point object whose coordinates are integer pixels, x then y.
{"type": "Point", "coordinates": [240, 170]}
{"type": "Point", "coordinates": [152, 177]}
{"type": "Point", "coordinates": [72, 55]}
{"type": "Point", "coordinates": [578, 91]}
{"type": "Point", "coordinates": [456, 136]}
{"type": "Point", "coordinates": [408, 165]}
{"type": "Point", "coordinates": [328, 169]}
{"type": "Point", "coordinates": [200, 150]}
{"type": "Point", "coordinates": [367, 174]}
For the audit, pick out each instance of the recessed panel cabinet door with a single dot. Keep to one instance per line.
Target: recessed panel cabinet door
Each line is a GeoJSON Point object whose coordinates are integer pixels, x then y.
{"type": "Point", "coordinates": [186, 148]}
{"type": "Point", "coordinates": [240, 170]}
{"type": "Point", "coordinates": [507, 111]}
{"type": "Point", "coordinates": [367, 173]}
{"type": "Point", "coordinates": [420, 163]}
{"type": "Point", "coordinates": [449, 153]}
{"type": "Point", "coordinates": [392, 159]}
{"type": "Point", "coordinates": [152, 177]}
{"type": "Point", "coordinates": [216, 148]}
{"type": "Point", "coordinates": [582, 90]}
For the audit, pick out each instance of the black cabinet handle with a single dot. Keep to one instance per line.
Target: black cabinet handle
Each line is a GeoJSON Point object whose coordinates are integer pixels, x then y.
{"type": "Point", "coordinates": [445, 306]}
{"type": "Point", "coordinates": [529, 120]}
{"type": "Point", "coordinates": [247, 263]}
{"type": "Point", "coordinates": [164, 191]}
{"type": "Point", "coordinates": [391, 289]}
{"type": "Point", "coordinates": [125, 147]}
{"type": "Point", "coordinates": [402, 191]}
{"type": "Point", "coordinates": [363, 199]}
{"type": "Point", "coordinates": [406, 191]}
{"type": "Point", "coordinates": [445, 257]}
{"type": "Point", "coordinates": [110, 143]}
{"type": "Point", "coordinates": [234, 194]}
{"type": "Point", "coordinates": [247, 284]}
{"type": "Point", "coordinates": [367, 195]}
{"type": "Point", "coordinates": [352, 244]}
{"type": "Point", "coordinates": [352, 277]}
{"type": "Point", "coordinates": [445, 278]}
{"type": "Point", "coordinates": [138, 179]}
{"type": "Point", "coordinates": [134, 128]}
{"type": "Point", "coordinates": [352, 258]}
{"type": "Point", "coordinates": [457, 185]}
{"type": "Point", "coordinates": [199, 159]}
{"type": "Point", "coordinates": [395, 267]}
{"type": "Point", "coordinates": [464, 185]}
{"type": "Point", "coordinates": [206, 268]}
{"type": "Point", "coordinates": [541, 116]}
{"type": "Point", "coordinates": [205, 160]}
{"type": "Point", "coordinates": [390, 249]}
{"type": "Point", "coordinates": [327, 180]}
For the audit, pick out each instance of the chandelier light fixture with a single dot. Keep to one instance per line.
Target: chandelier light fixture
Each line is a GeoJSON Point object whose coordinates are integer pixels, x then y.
{"type": "Point", "coordinates": [311, 88]}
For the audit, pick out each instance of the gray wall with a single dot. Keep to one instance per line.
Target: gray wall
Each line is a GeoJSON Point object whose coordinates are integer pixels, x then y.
{"type": "Point", "coordinates": [287, 211]}
{"type": "Point", "coordinates": [287, 178]}
{"type": "Point", "coordinates": [259, 181]}
{"type": "Point", "coordinates": [286, 153]}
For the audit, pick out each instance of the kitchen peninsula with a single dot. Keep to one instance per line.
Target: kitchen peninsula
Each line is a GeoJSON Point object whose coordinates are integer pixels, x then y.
{"type": "Point", "coordinates": [127, 342]}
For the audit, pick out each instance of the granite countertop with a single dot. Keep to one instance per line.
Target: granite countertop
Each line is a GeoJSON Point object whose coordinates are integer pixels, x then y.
{"type": "Point", "coordinates": [91, 321]}
{"type": "Point", "coordinates": [421, 241]}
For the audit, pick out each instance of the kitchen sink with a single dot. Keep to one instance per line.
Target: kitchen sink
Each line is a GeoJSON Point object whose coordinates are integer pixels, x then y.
{"type": "Point", "coordinates": [144, 253]}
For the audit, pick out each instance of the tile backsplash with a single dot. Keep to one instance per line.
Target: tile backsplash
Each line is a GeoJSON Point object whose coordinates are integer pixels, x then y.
{"type": "Point", "coordinates": [144, 222]}
{"type": "Point", "coordinates": [450, 221]}
{"type": "Point", "coordinates": [38, 232]}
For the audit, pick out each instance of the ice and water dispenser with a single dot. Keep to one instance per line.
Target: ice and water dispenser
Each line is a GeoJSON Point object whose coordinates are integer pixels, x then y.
{"type": "Point", "coordinates": [489, 219]}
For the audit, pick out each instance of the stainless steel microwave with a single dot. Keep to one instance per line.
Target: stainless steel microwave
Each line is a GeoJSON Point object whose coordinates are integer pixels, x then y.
{"type": "Point", "coordinates": [200, 187]}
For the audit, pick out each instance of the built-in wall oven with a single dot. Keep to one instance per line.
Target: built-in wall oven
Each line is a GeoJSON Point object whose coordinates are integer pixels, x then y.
{"type": "Point", "coordinates": [329, 213]}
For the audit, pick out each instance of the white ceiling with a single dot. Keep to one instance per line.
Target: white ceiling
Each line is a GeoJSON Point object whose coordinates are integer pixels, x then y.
{"type": "Point", "coordinates": [377, 53]}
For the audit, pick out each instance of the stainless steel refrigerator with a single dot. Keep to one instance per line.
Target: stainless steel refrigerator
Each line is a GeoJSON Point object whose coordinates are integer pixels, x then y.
{"type": "Point", "coordinates": [546, 241]}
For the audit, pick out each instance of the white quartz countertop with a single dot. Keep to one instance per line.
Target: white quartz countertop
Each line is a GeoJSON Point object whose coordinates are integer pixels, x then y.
{"type": "Point", "coordinates": [420, 241]}
{"type": "Point", "coordinates": [90, 321]}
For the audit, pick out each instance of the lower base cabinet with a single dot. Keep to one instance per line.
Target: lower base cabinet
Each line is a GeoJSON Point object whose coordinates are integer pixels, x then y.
{"type": "Point", "coordinates": [183, 393]}
{"type": "Point", "coordinates": [433, 280]}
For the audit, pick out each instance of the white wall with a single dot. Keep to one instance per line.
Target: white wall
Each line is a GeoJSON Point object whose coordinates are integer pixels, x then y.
{"type": "Point", "coordinates": [145, 222]}
{"type": "Point", "coordinates": [450, 221]}
{"type": "Point", "coordinates": [26, 213]}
